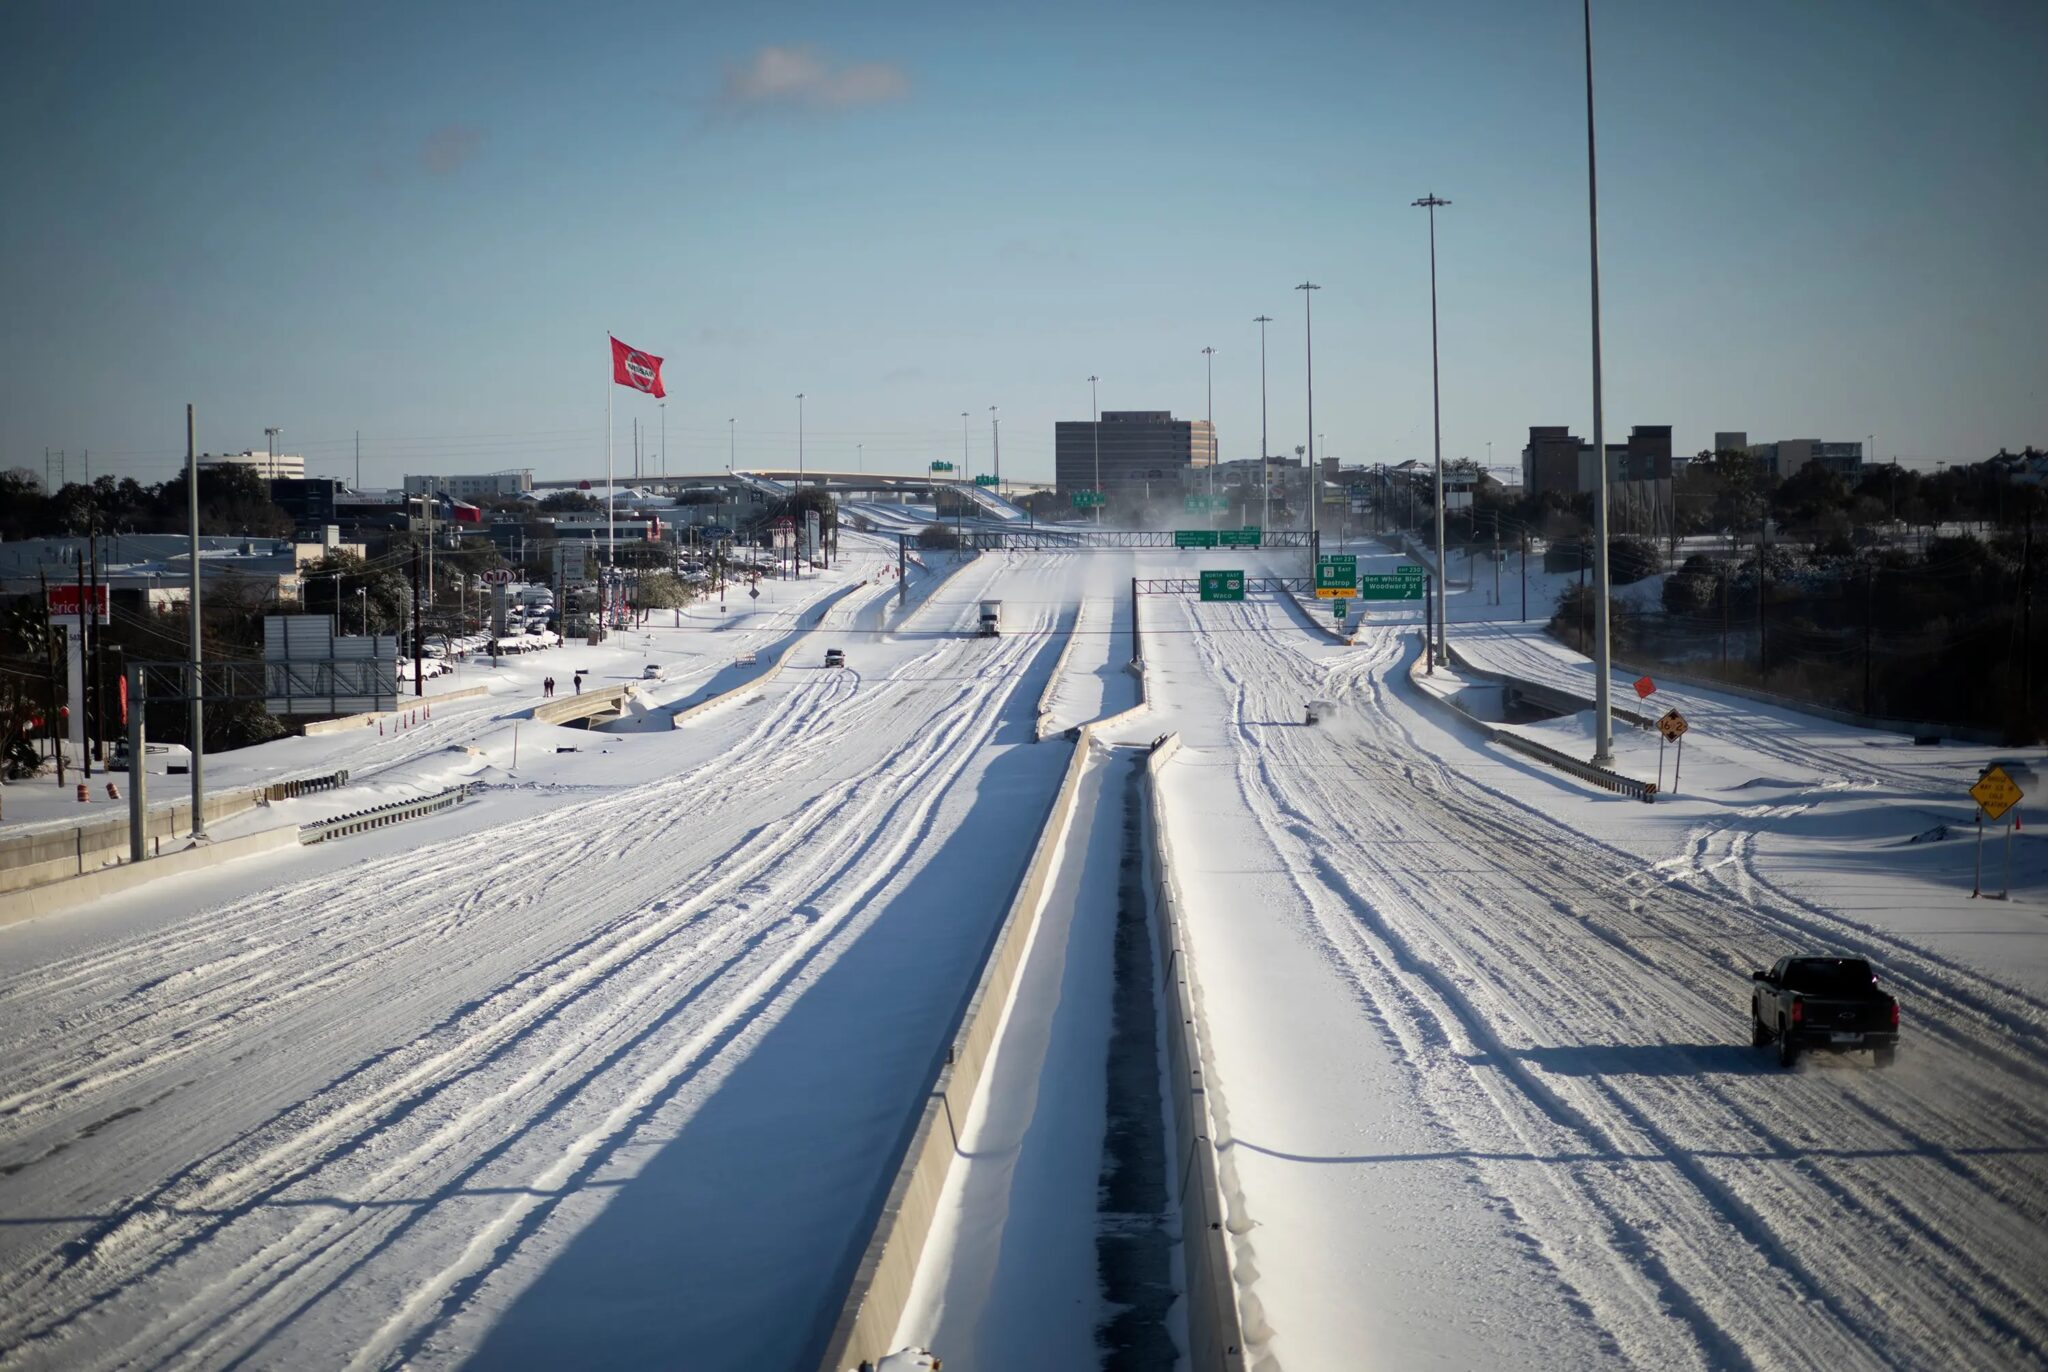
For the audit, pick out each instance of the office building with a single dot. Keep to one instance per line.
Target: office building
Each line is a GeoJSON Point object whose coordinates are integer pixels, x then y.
{"type": "Point", "coordinates": [483, 486]}
{"type": "Point", "coordinates": [1138, 449]}
{"type": "Point", "coordinates": [1638, 473]}
{"type": "Point", "coordinates": [269, 466]}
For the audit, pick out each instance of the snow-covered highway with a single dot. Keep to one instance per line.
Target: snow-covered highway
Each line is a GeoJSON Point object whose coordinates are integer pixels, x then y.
{"type": "Point", "coordinates": [610, 1066]}
{"type": "Point", "coordinates": [369, 1105]}
{"type": "Point", "coordinates": [1482, 1072]}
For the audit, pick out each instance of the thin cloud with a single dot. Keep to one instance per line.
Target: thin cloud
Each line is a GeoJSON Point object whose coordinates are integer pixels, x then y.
{"type": "Point", "coordinates": [801, 79]}
{"type": "Point", "coordinates": [447, 148]}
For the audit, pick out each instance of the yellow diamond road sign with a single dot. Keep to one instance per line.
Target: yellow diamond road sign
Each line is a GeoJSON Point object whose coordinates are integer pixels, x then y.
{"type": "Point", "coordinates": [1996, 792]}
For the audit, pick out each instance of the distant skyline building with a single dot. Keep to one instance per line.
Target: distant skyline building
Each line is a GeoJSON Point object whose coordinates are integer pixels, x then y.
{"type": "Point", "coordinates": [280, 467]}
{"type": "Point", "coordinates": [1138, 447]}
{"type": "Point", "coordinates": [484, 486]}
{"type": "Point", "coordinates": [1638, 473]}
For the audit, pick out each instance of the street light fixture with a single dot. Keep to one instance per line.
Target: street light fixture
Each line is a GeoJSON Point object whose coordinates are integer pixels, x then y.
{"type": "Point", "coordinates": [1307, 288]}
{"type": "Point", "coordinates": [1265, 472]}
{"type": "Point", "coordinates": [1430, 202]}
{"type": "Point", "coordinates": [730, 441]}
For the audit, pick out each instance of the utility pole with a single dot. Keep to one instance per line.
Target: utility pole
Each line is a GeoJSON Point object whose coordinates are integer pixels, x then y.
{"type": "Point", "coordinates": [1265, 469]}
{"type": "Point", "coordinates": [1308, 289]}
{"type": "Point", "coordinates": [1430, 202]}
{"type": "Point", "coordinates": [1525, 576]}
{"type": "Point", "coordinates": [53, 729]}
{"type": "Point", "coordinates": [419, 681]}
{"type": "Point", "coordinates": [1095, 432]}
{"type": "Point", "coordinates": [1869, 612]}
{"type": "Point", "coordinates": [2027, 699]}
{"type": "Point", "coordinates": [995, 429]}
{"type": "Point", "coordinates": [359, 459]}
{"type": "Point", "coordinates": [1209, 360]}
{"type": "Point", "coordinates": [198, 725]}
{"type": "Point", "coordinates": [84, 691]}
{"type": "Point", "coordinates": [1603, 657]}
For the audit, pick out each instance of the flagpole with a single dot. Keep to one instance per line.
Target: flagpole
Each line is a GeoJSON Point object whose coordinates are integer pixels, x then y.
{"type": "Point", "coordinates": [610, 534]}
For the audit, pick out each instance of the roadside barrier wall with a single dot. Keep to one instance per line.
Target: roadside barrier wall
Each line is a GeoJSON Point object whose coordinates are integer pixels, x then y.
{"type": "Point", "coordinates": [369, 720]}
{"type": "Point", "coordinates": [1215, 1338]}
{"type": "Point", "coordinates": [54, 853]}
{"type": "Point", "coordinates": [881, 1281]}
{"type": "Point", "coordinates": [1059, 669]}
{"type": "Point", "coordinates": [80, 890]}
{"type": "Point", "coordinates": [1645, 791]}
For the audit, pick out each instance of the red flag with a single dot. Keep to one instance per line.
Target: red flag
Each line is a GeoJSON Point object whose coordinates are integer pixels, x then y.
{"type": "Point", "coordinates": [641, 371]}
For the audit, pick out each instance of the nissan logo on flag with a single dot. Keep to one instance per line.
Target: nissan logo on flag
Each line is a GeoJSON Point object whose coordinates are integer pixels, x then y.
{"type": "Point", "coordinates": [638, 370]}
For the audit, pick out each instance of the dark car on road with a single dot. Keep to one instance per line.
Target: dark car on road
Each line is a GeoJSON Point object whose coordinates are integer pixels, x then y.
{"type": "Point", "coordinates": [835, 657]}
{"type": "Point", "coordinates": [1825, 1004]}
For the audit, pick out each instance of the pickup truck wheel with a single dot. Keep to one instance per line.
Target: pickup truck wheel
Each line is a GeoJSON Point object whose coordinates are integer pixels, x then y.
{"type": "Point", "coordinates": [1885, 1056]}
{"type": "Point", "coordinates": [1758, 1035]}
{"type": "Point", "coordinates": [1788, 1051]}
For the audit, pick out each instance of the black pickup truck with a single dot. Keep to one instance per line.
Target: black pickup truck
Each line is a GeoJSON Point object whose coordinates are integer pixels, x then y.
{"type": "Point", "coordinates": [1829, 1004]}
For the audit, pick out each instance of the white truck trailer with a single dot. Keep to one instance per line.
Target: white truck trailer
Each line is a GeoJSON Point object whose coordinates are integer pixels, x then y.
{"type": "Point", "coordinates": [991, 618]}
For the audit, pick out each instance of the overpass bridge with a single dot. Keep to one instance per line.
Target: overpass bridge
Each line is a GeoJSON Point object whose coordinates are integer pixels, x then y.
{"type": "Point", "coordinates": [775, 483]}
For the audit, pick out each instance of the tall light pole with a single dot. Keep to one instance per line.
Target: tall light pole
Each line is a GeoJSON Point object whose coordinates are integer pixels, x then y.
{"type": "Point", "coordinates": [1095, 431]}
{"type": "Point", "coordinates": [1603, 648]}
{"type": "Point", "coordinates": [1209, 362]}
{"type": "Point", "coordinates": [1265, 473]}
{"type": "Point", "coordinates": [664, 440]}
{"type": "Point", "coordinates": [860, 457]}
{"type": "Point", "coordinates": [1430, 202]}
{"type": "Point", "coordinates": [1307, 289]}
{"type": "Point", "coordinates": [995, 438]}
{"type": "Point", "coordinates": [799, 438]}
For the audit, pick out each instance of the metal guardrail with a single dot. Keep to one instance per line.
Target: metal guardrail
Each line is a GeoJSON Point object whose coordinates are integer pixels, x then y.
{"type": "Point", "coordinates": [362, 821]}
{"type": "Point", "coordinates": [1565, 762]}
{"type": "Point", "coordinates": [305, 786]}
{"type": "Point", "coordinates": [1645, 791]}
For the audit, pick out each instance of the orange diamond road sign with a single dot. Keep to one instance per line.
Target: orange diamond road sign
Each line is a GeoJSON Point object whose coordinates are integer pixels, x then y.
{"type": "Point", "coordinates": [1996, 792]}
{"type": "Point", "coordinates": [1672, 725]}
{"type": "Point", "coordinates": [1644, 687]}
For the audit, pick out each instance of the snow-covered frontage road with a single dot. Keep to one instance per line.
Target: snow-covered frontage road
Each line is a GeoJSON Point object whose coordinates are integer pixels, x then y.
{"type": "Point", "coordinates": [1480, 1062]}
{"type": "Point", "coordinates": [604, 1068]}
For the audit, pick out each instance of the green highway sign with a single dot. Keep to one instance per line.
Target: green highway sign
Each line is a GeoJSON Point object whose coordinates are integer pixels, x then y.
{"type": "Point", "coordinates": [1084, 500]}
{"type": "Point", "coordinates": [1238, 538]}
{"type": "Point", "coordinates": [985, 479]}
{"type": "Point", "coordinates": [1340, 608]}
{"type": "Point", "coordinates": [1194, 538]}
{"type": "Point", "coordinates": [942, 466]}
{"type": "Point", "coordinates": [1373, 586]}
{"type": "Point", "coordinates": [1336, 574]}
{"type": "Point", "coordinates": [1222, 585]}
{"type": "Point", "coordinates": [1200, 503]}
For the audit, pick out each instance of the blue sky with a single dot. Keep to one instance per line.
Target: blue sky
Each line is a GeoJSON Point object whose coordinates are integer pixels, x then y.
{"type": "Point", "coordinates": [1818, 220]}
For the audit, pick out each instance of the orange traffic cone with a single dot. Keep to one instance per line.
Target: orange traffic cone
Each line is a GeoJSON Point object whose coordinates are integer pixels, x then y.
{"type": "Point", "coordinates": [113, 791]}
{"type": "Point", "coordinates": [84, 795]}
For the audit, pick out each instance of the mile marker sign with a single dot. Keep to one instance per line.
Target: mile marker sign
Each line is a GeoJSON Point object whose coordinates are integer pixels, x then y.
{"type": "Point", "coordinates": [1996, 792]}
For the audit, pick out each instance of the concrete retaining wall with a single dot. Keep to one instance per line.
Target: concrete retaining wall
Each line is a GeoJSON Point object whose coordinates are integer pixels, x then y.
{"type": "Point", "coordinates": [52, 854]}
{"type": "Point", "coordinates": [881, 1282]}
{"type": "Point", "coordinates": [369, 721]}
{"type": "Point", "coordinates": [1059, 668]}
{"type": "Point", "coordinates": [1215, 1339]}
{"type": "Point", "coordinates": [80, 890]}
{"type": "Point", "coordinates": [586, 705]}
